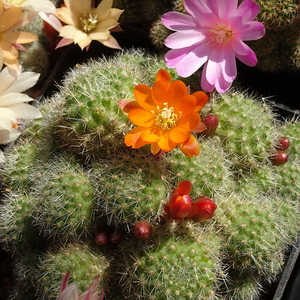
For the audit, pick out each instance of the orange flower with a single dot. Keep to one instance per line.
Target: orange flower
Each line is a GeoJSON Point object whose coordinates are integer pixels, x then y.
{"type": "Point", "coordinates": [165, 116]}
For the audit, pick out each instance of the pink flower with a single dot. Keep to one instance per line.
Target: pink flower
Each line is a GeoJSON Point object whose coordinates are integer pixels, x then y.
{"type": "Point", "coordinates": [212, 34]}
{"type": "Point", "coordinates": [71, 292]}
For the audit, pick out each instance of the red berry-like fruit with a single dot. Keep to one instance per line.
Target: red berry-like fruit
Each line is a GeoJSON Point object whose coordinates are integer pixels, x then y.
{"type": "Point", "coordinates": [211, 122]}
{"type": "Point", "coordinates": [101, 238]}
{"type": "Point", "coordinates": [203, 209]}
{"type": "Point", "coordinates": [115, 237]}
{"type": "Point", "coordinates": [142, 230]}
{"type": "Point", "coordinates": [283, 143]}
{"type": "Point", "coordinates": [279, 158]}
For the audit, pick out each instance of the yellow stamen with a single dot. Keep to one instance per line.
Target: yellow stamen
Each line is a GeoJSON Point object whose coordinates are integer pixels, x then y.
{"type": "Point", "coordinates": [15, 126]}
{"type": "Point", "coordinates": [88, 22]}
{"type": "Point", "coordinates": [166, 118]}
{"type": "Point", "coordinates": [222, 34]}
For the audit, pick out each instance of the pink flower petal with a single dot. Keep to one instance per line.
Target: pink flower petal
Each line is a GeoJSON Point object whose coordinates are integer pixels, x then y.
{"type": "Point", "coordinates": [51, 19]}
{"type": "Point", "coordinates": [253, 30]}
{"type": "Point", "coordinates": [239, 47]}
{"type": "Point", "coordinates": [202, 12]}
{"type": "Point", "coordinates": [111, 42]}
{"type": "Point", "coordinates": [185, 38]}
{"type": "Point", "coordinates": [64, 42]}
{"type": "Point", "coordinates": [226, 8]}
{"type": "Point", "coordinates": [250, 59]}
{"type": "Point", "coordinates": [205, 85]}
{"type": "Point", "coordinates": [177, 21]}
{"type": "Point", "coordinates": [19, 47]}
{"type": "Point", "coordinates": [187, 60]}
{"type": "Point", "coordinates": [222, 85]}
{"type": "Point", "coordinates": [214, 65]}
{"type": "Point", "coordinates": [64, 282]}
{"type": "Point", "coordinates": [251, 7]}
{"type": "Point", "coordinates": [228, 66]}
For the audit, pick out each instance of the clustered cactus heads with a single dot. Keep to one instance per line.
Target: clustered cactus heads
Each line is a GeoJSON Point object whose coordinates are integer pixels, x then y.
{"type": "Point", "coordinates": [92, 206]}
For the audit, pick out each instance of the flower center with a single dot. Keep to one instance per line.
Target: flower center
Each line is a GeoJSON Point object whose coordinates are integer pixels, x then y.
{"type": "Point", "coordinates": [222, 34]}
{"type": "Point", "coordinates": [166, 118]}
{"type": "Point", "coordinates": [15, 2]}
{"type": "Point", "coordinates": [88, 22]}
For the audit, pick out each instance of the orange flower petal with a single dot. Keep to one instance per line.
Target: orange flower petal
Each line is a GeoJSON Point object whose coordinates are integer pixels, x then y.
{"type": "Point", "coordinates": [133, 138]}
{"type": "Point", "coordinates": [165, 143]}
{"type": "Point", "coordinates": [143, 95]}
{"type": "Point", "coordinates": [190, 122]}
{"type": "Point", "coordinates": [141, 117]}
{"type": "Point", "coordinates": [178, 91]}
{"type": "Point", "coordinates": [179, 135]}
{"type": "Point", "coordinates": [191, 147]}
{"type": "Point", "coordinates": [161, 93]}
{"type": "Point", "coordinates": [185, 106]}
{"type": "Point", "coordinates": [154, 148]}
{"type": "Point", "coordinates": [152, 134]}
{"type": "Point", "coordinates": [163, 75]}
{"type": "Point", "coordinates": [201, 100]}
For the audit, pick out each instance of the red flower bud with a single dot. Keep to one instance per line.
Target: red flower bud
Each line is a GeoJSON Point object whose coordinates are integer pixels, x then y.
{"type": "Point", "coordinates": [179, 206]}
{"type": "Point", "coordinates": [101, 238]}
{"type": "Point", "coordinates": [211, 122]}
{"type": "Point", "coordinates": [142, 230]}
{"type": "Point", "coordinates": [203, 209]}
{"type": "Point", "coordinates": [279, 158]}
{"type": "Point", "coordinates": [283, 143]}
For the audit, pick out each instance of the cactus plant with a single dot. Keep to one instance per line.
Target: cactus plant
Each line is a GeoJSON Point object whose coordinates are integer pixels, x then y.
{"type": "Point", "coordinates": [131, 187]}
{"type": "Point", "coordinates": [65, 198]}
{"type": "Point", "coordinates": [71, 179]}
{"type": "Point", "coordinates": [176, 263]}
{"type": "Point", "coordinates": [246, 128]}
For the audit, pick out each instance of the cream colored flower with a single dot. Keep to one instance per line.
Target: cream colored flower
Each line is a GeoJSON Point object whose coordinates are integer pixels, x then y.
{"type": "Point", "coordinates": [11, 19]}
{"type": "Point", "coordinates": [38, 5]}
{"type": "Point", "coordinates": [85, 23]}
{"type": "Point", "coordinates": [13, 104]}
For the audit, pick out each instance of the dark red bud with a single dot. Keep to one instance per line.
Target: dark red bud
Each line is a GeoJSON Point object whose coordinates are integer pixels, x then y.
{"type": "Point", "coordinates": [179, 206]}
{"type": "Point", "coordinates": [142, 230]}
{"type": "Point", "coordinates": [160, 154]}
{"type": "Point", "coordinates": [101, 238]}
{"type": "Point", "coordinates": [279, 158]}
{"type": "Point", "coordinates": [212, 123]}
{"type": "Point", "coordinates": [204, 209]}
{"type": "Point", "coordinates": [115, 237]}
{"type": "Point", "coordinates": [283, 143]}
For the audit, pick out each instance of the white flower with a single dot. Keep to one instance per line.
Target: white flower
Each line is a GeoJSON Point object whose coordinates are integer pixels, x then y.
{"type": "Point", "coordinates": [13, 104]}
{"type": "Point", "coordinates": [38, 5]}
{"type": "Point", "coordinates": [84, 23]}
